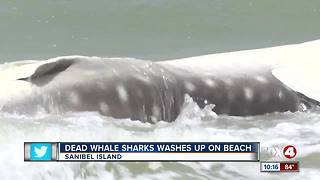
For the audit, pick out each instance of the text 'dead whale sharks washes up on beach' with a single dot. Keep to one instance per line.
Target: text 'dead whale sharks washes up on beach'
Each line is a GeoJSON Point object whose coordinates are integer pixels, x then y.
{"type": "Point", "coordinates": [239, 83]}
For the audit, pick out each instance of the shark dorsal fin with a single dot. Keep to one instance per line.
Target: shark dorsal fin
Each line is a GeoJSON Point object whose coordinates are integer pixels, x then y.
{"type": "Point", "coordinates": [49, 68]}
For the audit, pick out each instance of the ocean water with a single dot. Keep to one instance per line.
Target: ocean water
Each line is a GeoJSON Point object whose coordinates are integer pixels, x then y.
{"type": "Point", "coordinates": [155, 30]}
{"type": "Point", "coordinates": [151, 29]}
{"type": "Point", "coordinates": [193, 124]}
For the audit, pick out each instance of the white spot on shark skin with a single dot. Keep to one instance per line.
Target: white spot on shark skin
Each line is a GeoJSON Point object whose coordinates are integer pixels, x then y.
{"type": "Point", "coordinates": [280, 94]}
{"type": "Point", "coordinates": [205, 101]}
{"type": "Point", "coordinates": [210, 82]}
{"type": "Point", "coordinates": [74, 98]}
{"type": "Point", "coordinates": [248, 93]}
{"type": "Point", "coordinates": [164, 77]}
{"type": "Point", "coordinates": [104, 107]}
{"type": "Point", "coordinates": [189, 86]}
{"type": "Point", "coordinates": [122, 93]}
{"type": "Point", "coordinates": [261, 79]}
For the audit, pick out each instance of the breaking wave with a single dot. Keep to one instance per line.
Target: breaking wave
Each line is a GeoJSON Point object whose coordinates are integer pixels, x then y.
{"type": "Point", "coordinates": [193, 124]}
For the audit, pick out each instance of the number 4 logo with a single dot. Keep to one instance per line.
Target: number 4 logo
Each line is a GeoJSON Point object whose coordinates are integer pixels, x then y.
{"type": "Point", "coordinates": [289, 152]}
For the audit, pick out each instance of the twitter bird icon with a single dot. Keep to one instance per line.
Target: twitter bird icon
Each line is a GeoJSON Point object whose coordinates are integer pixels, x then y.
{"type": "Point", "coordinates": [40, 152]}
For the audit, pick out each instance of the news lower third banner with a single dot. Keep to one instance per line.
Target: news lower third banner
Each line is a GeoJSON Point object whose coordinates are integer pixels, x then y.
{"type": "Point", "coordinates": [142, 151]}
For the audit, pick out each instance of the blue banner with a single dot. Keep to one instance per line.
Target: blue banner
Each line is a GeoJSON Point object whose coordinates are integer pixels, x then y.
{"type": "Point", "coordinates": [158, 147]}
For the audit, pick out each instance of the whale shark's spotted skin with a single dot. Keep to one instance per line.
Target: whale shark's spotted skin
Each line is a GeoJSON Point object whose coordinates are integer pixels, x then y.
{"type": "Point", "coordinates": [148, 91]}
{"type": "Point", "coordinates": [239, 83]}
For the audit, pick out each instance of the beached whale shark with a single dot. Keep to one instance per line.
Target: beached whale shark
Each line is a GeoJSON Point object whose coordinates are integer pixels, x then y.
{"type": "Point", "coordinates": [241, 83]}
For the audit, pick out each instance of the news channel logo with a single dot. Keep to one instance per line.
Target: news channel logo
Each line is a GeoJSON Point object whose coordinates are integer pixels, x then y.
{"type": "Point", "coordinates": [287, 152]}
{"type": "Point", "coordinates": [40, 151]}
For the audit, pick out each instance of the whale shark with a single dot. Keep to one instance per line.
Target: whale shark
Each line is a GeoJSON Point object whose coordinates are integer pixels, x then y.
{"type": "Point", "coordinates": [241, 83]}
